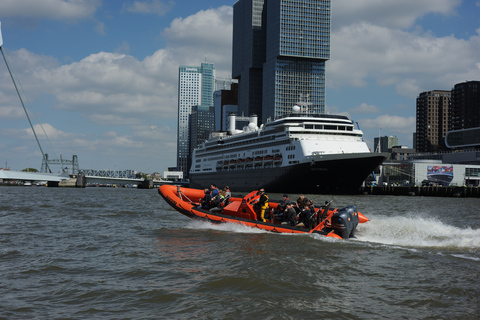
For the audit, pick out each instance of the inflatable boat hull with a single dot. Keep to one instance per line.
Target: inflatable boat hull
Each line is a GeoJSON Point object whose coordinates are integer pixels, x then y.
{"type": "Point", "coordinates": [241, 211]}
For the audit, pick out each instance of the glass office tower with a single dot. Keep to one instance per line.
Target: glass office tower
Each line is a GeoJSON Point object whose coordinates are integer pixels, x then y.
{"type": "Point", "coordinates": [195, 88]}
{"type": "Point", "coordinates": [279, 53]}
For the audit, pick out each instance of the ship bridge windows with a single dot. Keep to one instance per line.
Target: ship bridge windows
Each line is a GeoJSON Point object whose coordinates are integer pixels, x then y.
{"type": "Point", "coordinates": [309, 126]}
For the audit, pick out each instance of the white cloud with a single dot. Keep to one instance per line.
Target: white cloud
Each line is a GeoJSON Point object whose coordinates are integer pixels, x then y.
{"type": "Point", "coordinates": [49, 9]}
{"type": "Point", "coordinates": [387, 13]}
{"type": "Point", "coordinates": [7, 112]}
{"type": "Point", "coordinates": [413, 62]}
{"type": "Point", "coordinates": [157, 7]}
{"type": "Point", "coordinates": [390, 123]}
{"type": "Point", "coordinates": [204, 35]}
{"type": "Point", "coordinates": [365, 108]}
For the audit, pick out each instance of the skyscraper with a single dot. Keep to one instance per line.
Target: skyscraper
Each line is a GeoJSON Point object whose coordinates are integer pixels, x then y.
{"type": "Point", "coordinates": [433, 120]}
{"type": "Point", "coordinates": [466, 105]}
{"type": "Point", "coordinates": [201, 124]}
{"type": "Point", "coordinates": [195, 88]}
{"type": "Point", "coordinates": [279, 53]}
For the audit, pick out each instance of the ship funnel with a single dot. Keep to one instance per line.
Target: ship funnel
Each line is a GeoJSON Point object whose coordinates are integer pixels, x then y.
{"type": "Point", "coordinates": [231, 122]}
{"type": "Point", "coordinates": [253, 119]}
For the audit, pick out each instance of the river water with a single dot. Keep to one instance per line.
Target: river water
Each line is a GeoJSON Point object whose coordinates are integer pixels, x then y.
{"type": "Point", "coordinates": [105, 253]}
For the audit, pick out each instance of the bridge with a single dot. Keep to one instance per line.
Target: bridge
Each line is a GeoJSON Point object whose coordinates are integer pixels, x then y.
{"type": "Point", "coordinates": [64, 178]}
{"type": "Point", "coordinates": [32, 176]}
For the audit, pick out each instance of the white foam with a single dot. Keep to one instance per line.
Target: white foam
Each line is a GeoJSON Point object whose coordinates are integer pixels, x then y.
{"type": "Point", "coordinates": [416, 231]}
{"type": "Point", "coordinates": [227, 227]}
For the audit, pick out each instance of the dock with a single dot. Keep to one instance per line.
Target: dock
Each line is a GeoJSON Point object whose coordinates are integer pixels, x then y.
{"type": "Point", "coordinates": [435, 191]}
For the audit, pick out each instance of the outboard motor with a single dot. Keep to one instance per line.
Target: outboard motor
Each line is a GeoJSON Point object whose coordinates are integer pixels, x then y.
{"type": "Point", "coordinates": [345, 221]}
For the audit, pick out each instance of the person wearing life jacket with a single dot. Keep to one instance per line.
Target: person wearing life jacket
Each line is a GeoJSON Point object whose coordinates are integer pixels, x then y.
{"type": "Point", "coordinates": [262, 204]}
{"type": "Point", "coordinates": [228, 193]}
{"type": "Point", "coordinates": [218, 202]}
{"type": "Point", "coordinates": [282, 204]}
{"type": "Point", "coordinates": [213, 189]}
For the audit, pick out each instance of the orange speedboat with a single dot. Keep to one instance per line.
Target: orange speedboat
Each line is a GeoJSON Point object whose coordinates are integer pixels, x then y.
{"type": "Point", "coordinates": [336, 223]}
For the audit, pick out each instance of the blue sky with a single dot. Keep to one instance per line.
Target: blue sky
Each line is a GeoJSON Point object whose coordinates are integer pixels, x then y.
{"type": "Point", "coordinates": [102, 75]}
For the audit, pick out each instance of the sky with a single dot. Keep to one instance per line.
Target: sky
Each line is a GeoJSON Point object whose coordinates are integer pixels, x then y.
{"type": "Point", "coordinates": [100, 76]}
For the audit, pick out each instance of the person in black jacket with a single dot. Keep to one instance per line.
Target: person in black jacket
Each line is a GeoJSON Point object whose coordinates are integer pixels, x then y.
{"type": "Point", "coordinates": [289, 214]}
{"type": "Point", "coordinates": [206, 199]}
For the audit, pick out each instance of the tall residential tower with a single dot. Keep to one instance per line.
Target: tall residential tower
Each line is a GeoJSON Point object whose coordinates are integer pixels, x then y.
{"type": "Point", "coordinates": [195, 88]}
{"type": "Point", "coordinates": [433, 120]}
{"type": "Point", "coordinates": [279, 53]}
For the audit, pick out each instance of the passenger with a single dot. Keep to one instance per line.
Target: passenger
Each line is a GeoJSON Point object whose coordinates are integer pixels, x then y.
{"type": "Point", "coordinates": [289, 214]}
{"type": "Point", "coordinates": [218, 202]}
{"type": "Point", "coordinates": [206, 199]}
{"type": "Point", "coordinates": [283, 203]}
{"type": "Point", "coordinates": [228, 194]}
{"type": "Point", "coordinates": [305, 215]}
{"type": "Point", "coordinates": [213, 189]}
{"type": "Point", "coordinates": [299, 204]}
{"type": "Point", "coordinates": [262, 204]}
{"type": "Point", "coordinates": [312, 209]}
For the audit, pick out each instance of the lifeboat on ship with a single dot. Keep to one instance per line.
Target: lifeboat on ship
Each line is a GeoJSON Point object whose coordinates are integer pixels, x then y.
{"type": "Point", "coordinates": [335, 223]}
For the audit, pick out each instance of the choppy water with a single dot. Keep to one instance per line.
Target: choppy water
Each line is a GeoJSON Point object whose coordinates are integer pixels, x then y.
{"type": "Point", "coordinates": [101, 253]}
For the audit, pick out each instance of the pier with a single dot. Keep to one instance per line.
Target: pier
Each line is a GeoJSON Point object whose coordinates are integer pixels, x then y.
{"type": "Point", "coordinates": [436, 191]}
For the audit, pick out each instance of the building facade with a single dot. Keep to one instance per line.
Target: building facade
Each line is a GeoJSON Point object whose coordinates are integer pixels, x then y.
{"type": "Point", "coordinates": [279, 52]}
{"type": "Point", "coordinates": [202, 123]}
{"type": "Point", "coordinates": [433, 120]}
{"type": "Point", "coordinates": [225, 101]}
{"type": "Point", "coordinates": [466, 105]}
{"type": "Point", "coordinates": [386, 143]}
{"type": "Point", "coordinates": [196, 85]}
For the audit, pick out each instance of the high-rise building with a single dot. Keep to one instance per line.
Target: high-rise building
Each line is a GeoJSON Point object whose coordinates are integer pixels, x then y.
{"type": "Point", "coordinates": [195, 88]}
{"type": "Point", "coordinates": [466, 105]}
{"type": "Point", "coordinates": [386, 143]}
{"type": "Point", "coordinates": [225, 101]}
{"type": "Point", "coordinates": [433, 120]}
{"type": "Point", "coordinates": [201, 124]}
{"type": "Point", "coordinates": [279, 53]}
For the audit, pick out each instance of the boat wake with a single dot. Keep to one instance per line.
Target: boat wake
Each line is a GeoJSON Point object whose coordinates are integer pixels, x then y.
{"type": "Point", "coordinates": [411, 232]}
{"type": "Point", "coordinates": [227, 227]}
{"type": "Point", "coordinates": [417, 232]}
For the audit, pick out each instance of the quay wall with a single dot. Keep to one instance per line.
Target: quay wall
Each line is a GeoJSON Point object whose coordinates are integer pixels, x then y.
{"type": "Point", "coordinates": [473, 192]}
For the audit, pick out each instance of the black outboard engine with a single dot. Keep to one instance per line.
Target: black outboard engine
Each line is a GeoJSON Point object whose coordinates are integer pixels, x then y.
{"type": "Point", "coordinates": [345, 221]}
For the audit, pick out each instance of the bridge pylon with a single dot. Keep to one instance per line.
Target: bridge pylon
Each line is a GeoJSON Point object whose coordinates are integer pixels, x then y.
{"type": "Point", "coordinates": [62, 162]}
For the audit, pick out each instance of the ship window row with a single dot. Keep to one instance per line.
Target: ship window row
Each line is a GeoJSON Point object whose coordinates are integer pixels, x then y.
{"type": "Point", "coordinates": [328, 127]}
{"type": "Point", "coordinates": [219, 149]}
{"type": "Point", "coordinates": [325, 133]}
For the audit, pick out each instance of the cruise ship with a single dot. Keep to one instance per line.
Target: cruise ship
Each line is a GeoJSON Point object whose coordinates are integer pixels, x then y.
{"type": "Point", "coordinates": [301, 153]}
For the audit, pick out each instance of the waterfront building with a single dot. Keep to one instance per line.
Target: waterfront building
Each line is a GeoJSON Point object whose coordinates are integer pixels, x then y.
{"type": "Point", "coordinates": [466, 105]}
{"type": "Point", "coordinates": [433, 120]}
{"type": "Point", "coordinates": [279, 52]}
{"type": "Point", "coordinates": [195, 88]}
{"type": "Point", "coordinates": [225, 101]}
{"type": "Point", "coordinates": [386, 143]}
{"type": "Point", "coordinates": [201, 124]}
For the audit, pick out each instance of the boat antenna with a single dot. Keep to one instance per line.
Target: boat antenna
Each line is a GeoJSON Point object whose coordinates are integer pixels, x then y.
{"type": "Point", "coordinates": [21, 100]}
